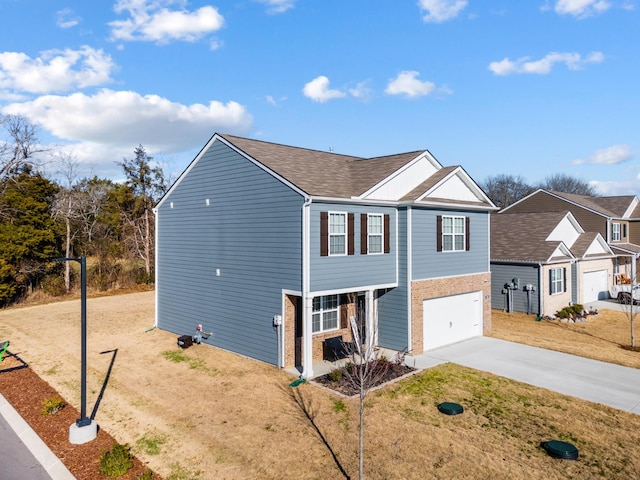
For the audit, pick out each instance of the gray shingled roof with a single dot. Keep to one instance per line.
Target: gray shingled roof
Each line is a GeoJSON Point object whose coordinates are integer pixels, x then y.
{"type": "Point", "coordinates": [522, 236]}
{"type": "Point", "coordinates": [614, 206]}
{"type": "Point", "coordinates": [322, 173]}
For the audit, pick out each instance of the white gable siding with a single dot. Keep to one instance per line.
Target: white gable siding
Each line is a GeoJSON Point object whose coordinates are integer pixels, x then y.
{"type": "Point", "coordinates": [396, 187]}
{"type": "Point", "coordinates": [454, 188]}
{"type": "Point", "coordinates": [565, 232]}
{"type": "Point", "coordinates": [596, 248]}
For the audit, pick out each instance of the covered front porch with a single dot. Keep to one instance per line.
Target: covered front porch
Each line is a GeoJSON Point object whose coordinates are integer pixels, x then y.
{"type": "Point", "coordinates": [313, 324]}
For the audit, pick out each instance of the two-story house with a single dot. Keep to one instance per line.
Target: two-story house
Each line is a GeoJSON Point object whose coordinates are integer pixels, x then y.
{"type": "Point", "coordinates": [275, 248]}
{"type": "Point", "coordinates": [616, 218]}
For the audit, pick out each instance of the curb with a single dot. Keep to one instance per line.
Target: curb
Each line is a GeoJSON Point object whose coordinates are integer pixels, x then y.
{"type": "Point", "coordinates": [52, 464]}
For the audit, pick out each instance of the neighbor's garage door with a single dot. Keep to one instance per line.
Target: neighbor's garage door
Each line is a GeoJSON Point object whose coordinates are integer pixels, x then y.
{"type": "Point", "coordinates": [452, 319]}
{"type": "Point", "coordinates": [594, 286]}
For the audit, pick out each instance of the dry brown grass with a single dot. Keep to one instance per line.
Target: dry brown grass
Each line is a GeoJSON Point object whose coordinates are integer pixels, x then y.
{"type": "Point", "coordinates": [215, 415]}
{"type": "Point", "coordinates": [601, 337]}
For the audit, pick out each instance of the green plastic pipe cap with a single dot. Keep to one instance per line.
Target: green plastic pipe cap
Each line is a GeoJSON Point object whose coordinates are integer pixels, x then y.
{"type": "Point", "coordinates": [558, 449]}
{"type": "Point", "coordinates": [450, 408]}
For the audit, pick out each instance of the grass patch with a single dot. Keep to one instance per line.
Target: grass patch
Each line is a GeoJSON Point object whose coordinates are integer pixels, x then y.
{"type": "Point", "coordinates": [52, 405]}
{"type": "Point", "coordinates": [178, 472]}
{"type": "Point", "coordinates": [178, 356]}
{"type": "Point", "coordinates": [151, 444]}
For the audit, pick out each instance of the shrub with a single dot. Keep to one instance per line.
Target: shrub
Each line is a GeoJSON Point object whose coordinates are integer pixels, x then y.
{"type": "Point", "coordinates": [52, 405]}
{"type": "Point", "coordinates": [146, 475]}
{"type": "Point", "coordinates": [54, 285]}
{"type": "Point", "coordinates": [117, 461]}
{"type": "Point", "coordinates": [335, 375]}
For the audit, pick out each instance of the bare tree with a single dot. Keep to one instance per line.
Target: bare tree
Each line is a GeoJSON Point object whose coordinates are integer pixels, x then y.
{"type": "Point", "coordinates": [365, 369]}
{"type": "Point", "coordinates": [147, 184]}
{"type": "Point", "coordinates": [561, 182]}
{"type": "Point", "coordinates": [504, 190]}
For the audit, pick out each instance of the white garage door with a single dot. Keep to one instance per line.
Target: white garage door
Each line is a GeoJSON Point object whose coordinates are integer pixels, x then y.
{"type": "Point", "coordinates": [594, 286]}
{"type": "Point", "coordinates": [452, 319]}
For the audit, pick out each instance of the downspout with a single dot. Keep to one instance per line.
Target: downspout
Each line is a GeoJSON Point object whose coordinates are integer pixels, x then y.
{"type": "Point", "coordinates": [307, 300]}
{"type": "Point", "coordinates": [408, 280]}
{"type": "Point", "coordinates": [155, 268]}
{"type": "Point", "coordinates": [540, 291]}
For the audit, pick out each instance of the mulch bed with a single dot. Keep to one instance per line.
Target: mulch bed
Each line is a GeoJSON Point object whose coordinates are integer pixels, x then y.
{"type": "Point", "coordinates": [27, 392]}
{"type": "Point", "coordinates": [341, 383]}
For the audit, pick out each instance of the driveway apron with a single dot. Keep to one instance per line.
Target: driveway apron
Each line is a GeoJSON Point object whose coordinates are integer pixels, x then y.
{"type": "Point", "coordinates": [591, 380]}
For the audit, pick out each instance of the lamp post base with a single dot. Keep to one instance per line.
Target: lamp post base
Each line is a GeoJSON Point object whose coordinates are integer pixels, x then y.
{"type": "Point", "coordinates": [79, 435]}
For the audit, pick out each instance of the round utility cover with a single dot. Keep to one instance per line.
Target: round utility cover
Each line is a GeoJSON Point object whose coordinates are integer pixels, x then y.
{"type": "Point", "coordinates": [450, 408]}
{"type": "Point", "coordinates": [558, 449]}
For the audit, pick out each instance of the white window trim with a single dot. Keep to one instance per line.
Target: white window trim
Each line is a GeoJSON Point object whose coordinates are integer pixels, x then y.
{"type": "Point", "coordinates": [345, 234]}
{"type": "Point", "coordinates": [369, 234]}
{"type": "Point", "coordinates": [615, 232]}
{"type": "Point", "coordinates": [453, 234]}
{"type": "Point", "coordinates": [322, 311]}
{"type": "Point", "coordinates": [559, 282]}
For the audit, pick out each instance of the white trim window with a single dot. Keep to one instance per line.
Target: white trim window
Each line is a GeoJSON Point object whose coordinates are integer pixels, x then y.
{"type": "Point", "coordinates": [337, 233]}
{"type": "Point", "coordinates": [325, 313]}
{"type": "Point", "coordinates": [556, 278]}
{"type": "Point", "coordinates": [615, 232]}
{"type": "Point", "coordinates": [375, 227]}
{"type": "Point", "coordinates": [453, 234]}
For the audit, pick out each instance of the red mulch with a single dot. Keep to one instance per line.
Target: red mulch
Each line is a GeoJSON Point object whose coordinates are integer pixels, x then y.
{"type": "Point", "coordinates": [27, 392]}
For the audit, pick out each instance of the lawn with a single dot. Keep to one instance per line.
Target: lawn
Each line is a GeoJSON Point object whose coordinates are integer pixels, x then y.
{"type": "Point", "coordinates": [204, 413]}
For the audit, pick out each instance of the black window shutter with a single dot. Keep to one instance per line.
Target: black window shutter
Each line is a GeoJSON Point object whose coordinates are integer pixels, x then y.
{"type": "Point", "coordinates": [624, 230]}
{"type": "Point", "coordinates": [351, 233]}
{"type": "Point", "coordinates": [439, 233]}
{"type": "Point", "coordinates": [324, 234]}
{"type": "Point", "coordinates": [564, 278]}
{"type": "Point", "coordinates": [551, 282]}
{"type": "Point", "coordinates": [387, 235]}
{"type": "Point", "coordinates": [364, 233]}
{"type": "Point", "coordinates": [467, 233]}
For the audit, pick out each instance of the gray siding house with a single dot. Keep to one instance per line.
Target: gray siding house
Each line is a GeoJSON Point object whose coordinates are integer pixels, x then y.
{"type": "Point", "coordinates": [543, 262]}
{"type": "Point", "coordinates": [276, 248]}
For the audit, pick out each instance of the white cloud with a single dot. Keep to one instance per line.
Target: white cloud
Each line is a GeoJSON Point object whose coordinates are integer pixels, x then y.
{"type": "Point", "coordinates": [55, 70]}
{"type": "Point", "coordinates": [573, 61]}
{"type": "Point", "coordinates": [124, 119]}
{"type": "Point", "coordinates": [441, 10]}
{"type": "Point", "coordinates": [151, 20]}
{"type": "Point", "coordinates": [361, 91]}
{"type": "Point", "coordinates": [581, 8]}
{"type": "Point", "coordinates": [629, 187]}
{"type": "Point", "coordinates": [612, 155]}
{"type": "Point", "coordinates": [66, 18]}
{"type": "Point", "coordinates": [278, 6]}
{"type": "Point", "coordinates": [318, 90]}
{"type": "Point", "coordinates": [407, 83]}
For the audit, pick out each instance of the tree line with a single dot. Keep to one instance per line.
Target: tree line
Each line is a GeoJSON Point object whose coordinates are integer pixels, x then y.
{"type": "Point", "coordinates": [505, 190]}
{"type": "Point", "coordinates": [42, 218]}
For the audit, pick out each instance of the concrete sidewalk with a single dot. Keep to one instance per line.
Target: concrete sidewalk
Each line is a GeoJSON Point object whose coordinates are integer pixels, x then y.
{"type": "Point", "coordinates": [591, 380]}
{"type": "Point", "coordinates": [23, 454]}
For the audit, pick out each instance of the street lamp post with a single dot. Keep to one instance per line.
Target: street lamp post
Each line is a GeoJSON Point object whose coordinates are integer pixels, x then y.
{"type": "Point", "coordinates": [84, 429]}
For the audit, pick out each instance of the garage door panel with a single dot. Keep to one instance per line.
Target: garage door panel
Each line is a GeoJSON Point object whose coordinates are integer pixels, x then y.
{"type": "Point", "coordinates": [594, 286]}
{"type": "Point", "coordinates": [452, 319]}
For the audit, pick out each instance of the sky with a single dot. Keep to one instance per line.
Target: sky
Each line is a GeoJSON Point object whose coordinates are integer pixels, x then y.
{"type": "Point", "coordinates": [529, 88]}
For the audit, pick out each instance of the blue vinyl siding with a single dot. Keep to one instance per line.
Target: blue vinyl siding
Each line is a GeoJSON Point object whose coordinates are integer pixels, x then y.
{"type": "Point", "coordinates": [251, 232]}
{"type": "Point", "coordinates": [393, 313]}
{"type": "Point", "coordinates": [429, 263]}
{"type": "Point", "coordinates": [350, 271]}
{"type": "Point", "coordinates": [502, 273]}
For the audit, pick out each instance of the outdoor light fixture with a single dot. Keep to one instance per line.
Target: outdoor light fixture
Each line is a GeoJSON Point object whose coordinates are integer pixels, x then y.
{"type": "Point", "coordinates": [84, 429]}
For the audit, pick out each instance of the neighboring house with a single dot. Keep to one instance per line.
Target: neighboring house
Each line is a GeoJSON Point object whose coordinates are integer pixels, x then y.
{"type": "Point", "coordinates": [255, 234]}
{"type": "Point", "coordinates": [543, 262]}
{"type": "Point", "coordinates": [616, 218]}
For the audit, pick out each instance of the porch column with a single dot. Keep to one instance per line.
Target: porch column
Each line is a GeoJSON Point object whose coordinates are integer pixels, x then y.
{"type": "Point", "coordinates": [307, 337]}
{"type": "Point", "coordinates": [371, 327]}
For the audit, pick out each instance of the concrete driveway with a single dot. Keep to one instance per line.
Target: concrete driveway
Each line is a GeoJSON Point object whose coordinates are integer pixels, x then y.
{"type": "Point", "coordinates": [599, 382]}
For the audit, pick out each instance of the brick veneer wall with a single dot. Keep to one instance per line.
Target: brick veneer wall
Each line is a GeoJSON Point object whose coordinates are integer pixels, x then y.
{"type": "Point", "coordinates": [442, 287]}
{"type": "Point", "coordinates": [347, 309]}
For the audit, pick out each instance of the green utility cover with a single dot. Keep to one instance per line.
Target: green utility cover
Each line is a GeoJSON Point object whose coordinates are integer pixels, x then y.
{"type": "Point", "coordinates": [297, 382]}
{"type": "Point", "coordinates": [450, 408]}
{"type": "Point", "coordinates": [558, 449]}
